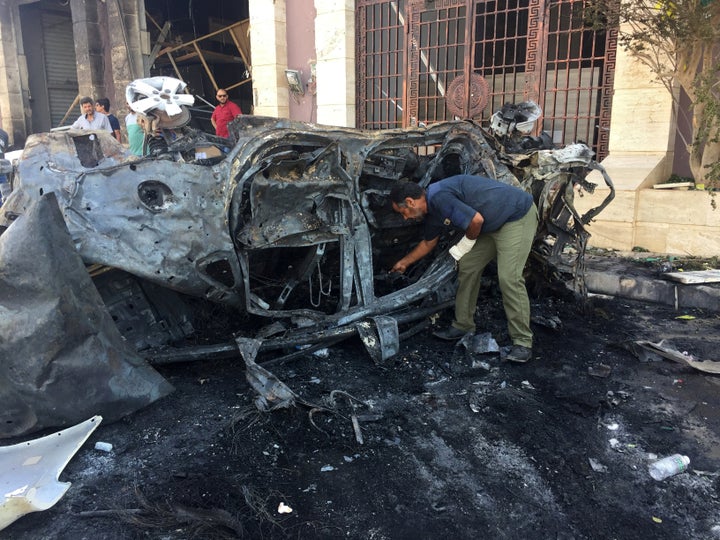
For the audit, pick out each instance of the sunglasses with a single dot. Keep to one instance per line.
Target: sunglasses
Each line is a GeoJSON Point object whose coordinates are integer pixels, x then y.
{"type": "Point", "coordinates": [222, 95]}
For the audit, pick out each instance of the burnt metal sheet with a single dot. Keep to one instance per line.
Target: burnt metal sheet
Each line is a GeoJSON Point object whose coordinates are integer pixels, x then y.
{"type": "Point", "coordinates": [155, 218]}
{"type": "Point", "coordinates": [62, 359]}
{"type": "Point", "coordinates": [291, 228]}
{"type": "Point", "coordinates": [380, 336]}
{"type": "Point", "coordinates": [272, 392]}
{"type": "Point", "coordinates": [247, 231]}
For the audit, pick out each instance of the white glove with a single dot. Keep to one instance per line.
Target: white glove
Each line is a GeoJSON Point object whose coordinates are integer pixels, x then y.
{"type": "Point", "coordinates": [461, 248]}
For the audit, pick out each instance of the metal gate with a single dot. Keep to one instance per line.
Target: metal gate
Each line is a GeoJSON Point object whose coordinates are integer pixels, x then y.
{"type": "Point", "coordinates": [466, 58]}
{"type": "Point", "coordinates": [438, 56]}
{"type": "Point", "coordinates": [47, 31]}
{"type": "Point", "coordinates": [381, 63]}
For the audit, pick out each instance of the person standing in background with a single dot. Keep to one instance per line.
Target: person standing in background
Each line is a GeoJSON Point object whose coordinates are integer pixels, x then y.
{"type": "Point", "coordinates": [102, 105]}
{"type": "Point", "coordinates": [136, 134]}
{"type": "Point", "coordinates": [90, 118]}
{"type": "Point", "coordinates": [223, 114]}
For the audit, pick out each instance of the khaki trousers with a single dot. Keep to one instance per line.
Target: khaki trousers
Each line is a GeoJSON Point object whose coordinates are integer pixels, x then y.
{"type": "Point", "coordinates": [510, 245]}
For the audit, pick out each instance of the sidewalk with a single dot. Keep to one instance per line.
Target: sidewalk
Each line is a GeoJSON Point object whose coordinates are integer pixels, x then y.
{"type": "Point", "coordinates": [617, 274]}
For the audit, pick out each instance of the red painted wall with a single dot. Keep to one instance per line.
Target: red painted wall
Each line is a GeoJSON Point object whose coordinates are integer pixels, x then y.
{"type": "Point", "coordinates": [301, 54]}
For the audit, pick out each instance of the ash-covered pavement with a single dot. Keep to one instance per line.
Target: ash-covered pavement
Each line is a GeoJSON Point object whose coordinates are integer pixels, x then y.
{"type": "Point", "coordinates": [453, 443]}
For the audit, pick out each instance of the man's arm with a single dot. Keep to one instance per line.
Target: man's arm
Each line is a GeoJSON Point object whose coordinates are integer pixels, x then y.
{"type": "Point", "coordinates": [422, 249]}
{"type": "Point", "coordinates": [115, 127]}
{"type": "Point", "coordinates": [466, 243]}
{"type": "Point", "coordinates": [475, 227]}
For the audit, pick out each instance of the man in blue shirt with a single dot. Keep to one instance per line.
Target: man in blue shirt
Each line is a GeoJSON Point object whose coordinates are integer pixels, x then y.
{"type": "Point", "coordinates": [102, 105]}
{"type": "Point", "coordinates": [500, 222]}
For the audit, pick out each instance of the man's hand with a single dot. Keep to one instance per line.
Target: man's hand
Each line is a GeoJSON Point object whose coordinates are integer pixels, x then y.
{"type": "Point", "coordinates": [459, 250]}
{"type": "Point", "coordinates": [399, 267]}
{"type": "Point", "coordinates": [422, 249]}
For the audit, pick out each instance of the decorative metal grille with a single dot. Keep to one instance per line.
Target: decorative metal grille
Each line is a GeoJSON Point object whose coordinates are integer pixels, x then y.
{"type": "Point", "coordinates": [576, 72]}
{"type": "Point", "coordinates": [437, 56]}
{"type": "Point", "coordinates": [505, 51]}
{"type": "Point", "coordinates": [540, 50]}
{"type": "Point", "coordinates": [381, 63]}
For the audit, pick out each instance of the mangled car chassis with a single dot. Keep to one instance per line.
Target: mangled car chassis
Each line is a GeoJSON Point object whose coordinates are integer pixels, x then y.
{"type": "Point", "coordinates": [287, 233]}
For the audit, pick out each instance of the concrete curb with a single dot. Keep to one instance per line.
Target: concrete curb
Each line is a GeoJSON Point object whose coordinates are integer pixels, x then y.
{"type": "Point", "coordinates": [648, 289]}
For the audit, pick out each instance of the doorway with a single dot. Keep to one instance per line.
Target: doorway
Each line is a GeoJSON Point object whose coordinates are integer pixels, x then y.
{"type": "Point", "coordinates": [47, 34]}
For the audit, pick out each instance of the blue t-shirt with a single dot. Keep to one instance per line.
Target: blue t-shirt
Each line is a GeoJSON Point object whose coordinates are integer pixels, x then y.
{"type": "Point", "coordinates": [114, 122]}
{"type": "Point", "coordinates": [455, 200]}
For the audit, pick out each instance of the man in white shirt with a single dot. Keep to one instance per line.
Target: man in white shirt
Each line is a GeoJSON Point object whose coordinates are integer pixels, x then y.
{"type": "Point", "coordinates": [90, 118]}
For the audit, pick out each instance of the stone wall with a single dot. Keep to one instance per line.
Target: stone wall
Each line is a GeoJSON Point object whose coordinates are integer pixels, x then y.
{"type": "Point", "coordinates": [269, 58]}
{"type": "Point", "coordinates": [13, 70]}
{"type": "Point", "coordinates": [110, 40]}
{"type": "Point", "coordinates": [641, 148]}
{"type": "Point", "coordinates": [668, 221]}
{"type": "Point", "coordinates": [334, 82]}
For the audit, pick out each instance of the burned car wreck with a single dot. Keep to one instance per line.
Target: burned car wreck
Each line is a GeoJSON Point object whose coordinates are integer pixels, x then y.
{"type": "Point", "coordinates": [283, 236]}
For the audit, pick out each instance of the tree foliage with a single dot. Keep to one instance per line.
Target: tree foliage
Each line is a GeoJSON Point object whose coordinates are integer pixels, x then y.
{"type": "Point", "coordinates": [679, 41]}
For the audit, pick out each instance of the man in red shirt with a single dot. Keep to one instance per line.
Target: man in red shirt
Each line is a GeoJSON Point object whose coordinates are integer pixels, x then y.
{"type": "Point", "coordinates": [223, 113]}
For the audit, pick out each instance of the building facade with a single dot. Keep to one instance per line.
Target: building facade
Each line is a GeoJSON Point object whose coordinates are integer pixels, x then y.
{"type": "Point", "coordinates": [360, 63]}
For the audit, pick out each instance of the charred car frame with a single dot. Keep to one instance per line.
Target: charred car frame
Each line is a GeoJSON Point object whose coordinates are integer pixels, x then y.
{"type": "Point", "coordinates": [288, 230]}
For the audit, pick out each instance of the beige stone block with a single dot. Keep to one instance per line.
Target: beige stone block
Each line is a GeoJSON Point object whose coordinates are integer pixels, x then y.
{"type": "Point", "coordinates": [685, 240]}
{"type": "Point", "coordinates": [641, 121]}
{"type": "Point", "coordinates": [694, 241]}
{"type": "Point", "coordinates": [272, 100]}
{"type": "Point", "coordinates": [336, 115]}
{"type": "Point", "coordinates": [278, 73]}
{"type": "Point", "coordinates": [631, 171]}
{"type": "Point", "coordinates": [632, 74]}
{"type": "Point", "coordinates": [620, 209]}
{"type": "Point", "coordinates": [262, 10]}
{"type": "Point", "coordinates": [652, 236]}
{"type": "Point", "coordinates": [335, 30]}
{"type": "Point", "coordinates": [335, 82]}
{"type": "Point", "coordinates": [273, 49]}
{"type": "Point", "coordinates": [611, 235]}
{"type": "Point", "coordinates": [268, 33]}
{"type": "Point", "coordinates": [269, 57]}
{"type": "Point", "coordinates": [270, 93]}
{"type": "Point", "coordinates": [323, 7]}
{"type": "Point", "coordinates": [267, 76]}
{"type": "Point", "coordinates": [335, 35]}
{"type": "Point", "coordinates": [274, 110]}
{"type": "Point", "coordinates": [334, 69]}
{"type": "Point", "coordinates": [680, 222]}
{"type": "Point", "coordinates": [327, 94]}
{"type": "Point", "coordinates": [677, 208]}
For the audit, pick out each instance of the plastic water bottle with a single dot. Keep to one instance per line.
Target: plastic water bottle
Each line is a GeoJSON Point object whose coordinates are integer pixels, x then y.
{"type": "Point", "coordinates": [668, 466]}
